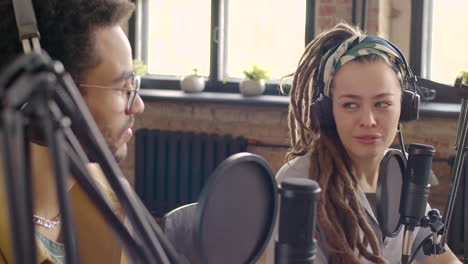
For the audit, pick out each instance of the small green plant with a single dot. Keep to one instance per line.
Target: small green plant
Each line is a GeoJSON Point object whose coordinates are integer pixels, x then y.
{"type": "Point", "coordinates": [195, 73]}
{"type": "Point", "coordinates": [256, 73]}
{"type": "Point", "coordinates": [464, 75]}
{"type": "Point", "coordinates": [140, 67]}
{"type": "Point", "coordinates": [225, 78]}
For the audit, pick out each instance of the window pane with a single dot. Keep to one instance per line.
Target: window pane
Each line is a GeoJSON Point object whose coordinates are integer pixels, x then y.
{"type": "Point", "coordinates": [449, 55]}
{"type": "Point", "coordinates": [179, 37]}
{"type": "Point", "coordinates": [267, 33]}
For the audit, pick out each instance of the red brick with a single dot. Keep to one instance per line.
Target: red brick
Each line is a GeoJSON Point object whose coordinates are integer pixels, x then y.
{"type": "Point", "coordinates": [228, 115]}
{"type": "Point", "coordinates": [242, 130]}
{"type": "Point", "coordinates": [372, 28]}
{"type": "Point", "coordinates": [262, 118]}
{"type": "Point", "coordinates": [343, 12]}
{"type": "Point", "coordinates": [373, 12]}
{"type": "Point", "coordinates": [204, 126]}
{"type": "Point", "coordinates": [325, 23]}
{"type": "Point", "coordinates": [178, 125]}
{"type": "Point", "coordinates": [202, 113]}
{"type": "Point", "coordinates": [327, 10]}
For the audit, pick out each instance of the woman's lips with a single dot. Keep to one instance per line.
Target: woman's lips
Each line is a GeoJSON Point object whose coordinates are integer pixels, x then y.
{"type": "Point", "coordinates": [368, 138]}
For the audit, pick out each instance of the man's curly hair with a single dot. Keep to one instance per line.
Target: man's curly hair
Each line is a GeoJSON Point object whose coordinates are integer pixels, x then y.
{"type": "Point", "coordinates": [67, 30]}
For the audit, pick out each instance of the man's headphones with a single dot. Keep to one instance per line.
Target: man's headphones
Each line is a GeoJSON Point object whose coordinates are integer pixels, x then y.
{"type": "Point", "coordinates": [321, 109]}
{"type": "Point", "coordinates": [27, 26]}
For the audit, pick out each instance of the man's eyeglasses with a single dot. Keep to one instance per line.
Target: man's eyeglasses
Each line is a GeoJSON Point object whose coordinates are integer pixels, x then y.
{"type": "Point", "coordinates": [132, 92]}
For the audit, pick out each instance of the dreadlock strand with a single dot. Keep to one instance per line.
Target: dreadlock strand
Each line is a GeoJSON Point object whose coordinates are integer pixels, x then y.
{"type": "Point", "coordinates": [356, 211]}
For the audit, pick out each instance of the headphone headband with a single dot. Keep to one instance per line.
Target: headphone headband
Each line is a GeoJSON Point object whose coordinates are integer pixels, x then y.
{"type": "Point", "coordinates": [27, 26]}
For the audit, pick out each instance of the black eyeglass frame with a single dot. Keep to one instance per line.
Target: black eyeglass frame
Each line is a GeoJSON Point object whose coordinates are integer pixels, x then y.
{"type": "Point", "coordinates": [132, 93]}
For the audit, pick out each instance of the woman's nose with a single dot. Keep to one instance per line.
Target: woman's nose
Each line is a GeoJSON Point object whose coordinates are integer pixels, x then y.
{"type": "Point", "coordinates": [367, 118]}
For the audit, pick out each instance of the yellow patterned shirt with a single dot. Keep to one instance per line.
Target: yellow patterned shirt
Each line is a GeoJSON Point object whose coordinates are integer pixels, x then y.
{"type": "Point", "coordinates": [96, 242]}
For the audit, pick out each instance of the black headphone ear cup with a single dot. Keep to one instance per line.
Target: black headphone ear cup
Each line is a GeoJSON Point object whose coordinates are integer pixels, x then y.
{"type": "Point", "coordinates": [409, 106]}
{"type": "Point", "coordinates": [322, 112]}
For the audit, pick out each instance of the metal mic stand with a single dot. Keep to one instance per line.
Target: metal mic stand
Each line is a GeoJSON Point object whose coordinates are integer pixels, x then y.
{"type": "Point", "coordinates": [17, 180]}
{"type": "Point", "coordinates": [461, 144]}
{"type": "Point", "coordinates": [55, 141]}
{"type": "Point", "coordinates": [36, 88]}
{"type": "Point", "coordinates": [432, 246]}
{"type": "Point", "coordinates": [465, 215]}
{"type": "Point", "coordinates": [33, 79]}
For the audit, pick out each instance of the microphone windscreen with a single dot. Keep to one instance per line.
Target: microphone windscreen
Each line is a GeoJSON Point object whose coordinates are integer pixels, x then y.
{"type": "Point", "coordinates": [298, 202]}
{"type": "Point", "coordinates": [419, 163]}
{"type": "Point", "coordinates": [297, 214]}
{"type": "Point", "coordinates": [415, 190]}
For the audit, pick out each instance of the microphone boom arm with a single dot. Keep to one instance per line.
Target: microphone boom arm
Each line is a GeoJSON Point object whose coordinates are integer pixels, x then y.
{"type": "Point", "coordinates": [461, 144]}
{"type": "Point", "coordinates": [47, 90]}
{"type": "Point", "coordinates": [433, 219]}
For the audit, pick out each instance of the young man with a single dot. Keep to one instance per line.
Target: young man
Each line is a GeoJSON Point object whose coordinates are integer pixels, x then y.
{"type": "Point", "coordinates": [85, 35]}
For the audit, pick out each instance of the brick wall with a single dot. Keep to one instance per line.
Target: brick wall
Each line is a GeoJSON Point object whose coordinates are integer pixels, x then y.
{"type": "Point", "coordinates": [330, 12]}
{"type": "Point", "coordinates": [440, 133]}
{"type": "Point", "coordinates": [269, 125]}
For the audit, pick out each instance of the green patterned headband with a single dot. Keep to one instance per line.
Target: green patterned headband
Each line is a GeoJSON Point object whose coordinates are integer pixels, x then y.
{"type": "Point", "coordinates": [355, 47]}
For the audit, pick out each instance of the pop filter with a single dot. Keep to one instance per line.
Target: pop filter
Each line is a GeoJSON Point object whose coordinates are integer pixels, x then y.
{"type": "Point", "coordinates": [234, 217]}
{"type": "Point", "coordinates": [391, 174]}
{"type": "Point", "coordinates": [179, 226]}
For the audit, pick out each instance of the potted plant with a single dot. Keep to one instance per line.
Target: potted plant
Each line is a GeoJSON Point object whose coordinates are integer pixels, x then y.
{"type": "Point", "coordinates": [139, 67]}
{"type": "Point", "coordinates": [192, 83]}
{"type": "Point", "coordinates": [464, 76]}
{"type": "Point", "coordinates": [254, 83]}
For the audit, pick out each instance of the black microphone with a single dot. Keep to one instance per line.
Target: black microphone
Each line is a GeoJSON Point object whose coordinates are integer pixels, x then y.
{"type": "Point", "coordinates": [296, 243]}
{"type": "Point", "coordinates": [415, 192]}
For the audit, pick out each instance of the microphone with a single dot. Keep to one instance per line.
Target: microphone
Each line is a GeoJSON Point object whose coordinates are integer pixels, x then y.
{"type": "Point", "coordinates": [296, 243]}
{"type": "Point", "coordinates": [415, 192]}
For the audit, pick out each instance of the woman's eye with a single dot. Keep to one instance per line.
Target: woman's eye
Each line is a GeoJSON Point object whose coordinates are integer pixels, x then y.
{"type": "Point", "coordinates": [350, 105]}
{"type": "Point", "coordinates": [383, 104]}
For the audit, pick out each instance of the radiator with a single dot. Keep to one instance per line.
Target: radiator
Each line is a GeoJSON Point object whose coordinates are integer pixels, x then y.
{"type": "Point", "coordinates": [171, 167]}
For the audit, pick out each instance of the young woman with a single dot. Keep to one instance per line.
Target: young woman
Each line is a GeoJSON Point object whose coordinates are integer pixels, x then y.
{"type": "Point", "coordinates": [339, 142]}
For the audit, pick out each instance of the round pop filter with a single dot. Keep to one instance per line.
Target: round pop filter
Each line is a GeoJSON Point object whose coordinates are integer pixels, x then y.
{"type": "Point", "coordinates": [391, 175]}
{"type": "Point", "coordinates": [236, 211]}
{"type": "Point", "coordinates": [179, 226]}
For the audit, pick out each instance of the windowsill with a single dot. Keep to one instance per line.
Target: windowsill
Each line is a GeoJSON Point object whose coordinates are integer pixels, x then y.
{"type": "Point", "coordinates": [445, 110]}
{"type": "Point", "coordinates": [210, 97]}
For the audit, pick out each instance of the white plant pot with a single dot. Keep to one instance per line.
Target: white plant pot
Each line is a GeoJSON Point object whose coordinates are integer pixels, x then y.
{"type": "Point", "coordinates": [250, 87]}
{"type": "Point", "coordinates": [192, 84]}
